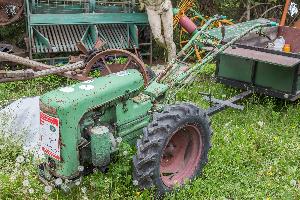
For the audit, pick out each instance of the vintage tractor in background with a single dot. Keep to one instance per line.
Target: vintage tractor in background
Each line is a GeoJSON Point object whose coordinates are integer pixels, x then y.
{"type": "Point", "coordinates": [82, 124]}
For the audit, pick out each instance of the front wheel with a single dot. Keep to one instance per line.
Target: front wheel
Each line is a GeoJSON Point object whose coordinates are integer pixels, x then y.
{"type": "Point", "coordinates": [173, 149]}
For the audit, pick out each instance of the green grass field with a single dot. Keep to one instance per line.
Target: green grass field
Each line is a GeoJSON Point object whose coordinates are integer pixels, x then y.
{"type": "Point", "coordinates": [255, 154]}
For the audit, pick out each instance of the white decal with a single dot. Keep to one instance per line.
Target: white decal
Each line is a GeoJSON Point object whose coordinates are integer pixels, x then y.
{"type": "Point", "coordinates": [88, 81]}
{"type": "Point", "coordinates": [49, 128]}
{"type": "Point", "coordinates": [67, 89]}
{"type": "Point", "coordinates": [122, 73]}
{"type": "Point", "coordinates": [87, 87]}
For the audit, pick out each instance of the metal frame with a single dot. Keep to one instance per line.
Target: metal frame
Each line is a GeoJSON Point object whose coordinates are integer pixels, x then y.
{"type": "Point", "coordinates": [218, 105]}
{"type": "Point", "coordinates": [70, 22]}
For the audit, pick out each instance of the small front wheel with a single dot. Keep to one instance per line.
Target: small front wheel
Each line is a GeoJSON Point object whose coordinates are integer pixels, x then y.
{"type": "Point", "coordinates": [173, 149]}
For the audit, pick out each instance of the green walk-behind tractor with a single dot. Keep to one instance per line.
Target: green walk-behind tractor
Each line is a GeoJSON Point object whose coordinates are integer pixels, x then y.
{"type": "Point", "coordinates": [82, 124]}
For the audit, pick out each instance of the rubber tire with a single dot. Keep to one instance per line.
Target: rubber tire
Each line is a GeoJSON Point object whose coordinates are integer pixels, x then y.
{"type": "Point", "coordinates": [146, 162]}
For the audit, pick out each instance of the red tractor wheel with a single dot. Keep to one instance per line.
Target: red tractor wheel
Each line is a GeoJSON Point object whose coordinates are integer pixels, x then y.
{"type": "Point", "coordinates": [174, 148]}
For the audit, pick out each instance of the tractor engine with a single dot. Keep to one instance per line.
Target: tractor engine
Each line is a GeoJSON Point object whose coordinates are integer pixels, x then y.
{"type": "Point", "coordinates": [81, 123]}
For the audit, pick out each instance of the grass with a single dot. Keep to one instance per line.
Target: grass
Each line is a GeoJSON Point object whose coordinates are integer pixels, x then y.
{"type": "Point", "coordinates": [255, 153]}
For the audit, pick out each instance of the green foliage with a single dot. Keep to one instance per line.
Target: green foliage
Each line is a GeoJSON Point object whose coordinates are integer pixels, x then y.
{"type": "Point", "coordinates": [14, 33]}
{"type": "Point", "coordinates": [15, 90]}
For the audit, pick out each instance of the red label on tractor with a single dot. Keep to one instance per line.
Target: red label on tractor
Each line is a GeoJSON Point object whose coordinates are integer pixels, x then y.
{"type": "Point", "coordinates": [49, 129]}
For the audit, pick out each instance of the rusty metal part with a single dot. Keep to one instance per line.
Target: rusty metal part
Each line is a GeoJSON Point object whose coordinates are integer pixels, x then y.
{"type": "Point", "coordinates": [44, 70]}
{"type": "Point", "coordinates": [23, 61]}
{"type": "Point", "coordinates": [10, 11]}
{"type": "Point", "coordinates": [291, 36]}
{"type": "Point", "coordinates": [115, 60]}
{"type": "Point", "coordinates": [297, 24]}
{"type": "Point", "coordinates": [285, 12]}
{"type": "Point", "coordinates": [9, 76]}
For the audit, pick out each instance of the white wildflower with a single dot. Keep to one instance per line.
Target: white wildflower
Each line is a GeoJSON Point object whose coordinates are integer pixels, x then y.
{"type": "Point", "coordinates": [293, 183]}
{"type": "Point", "coordinates": [85, 198]}
{"type": "Point", "coordinates": [80, 168]}
{"type": "Point", "coordinates": [48, 189]}
{"type": "Point", "coordinates": [26, 183]}
{"type": "Point", "coordinates": [83, 190]}
{"type": "Point", "coordinates": [58, 181]}
{"type": "Point", "coordinates": [125, 153]}
{"type": "Point", "coordinates": [135, 182]}
{"type": "Point", "coordinates": [261, 123]}
{"type": "Point", "coordinates": [77, 183]}
{"type": "Point", "coordinates": [26, 173]}
{"type": "Point", "coordinates": [119, 139]}
{"type": "Point", "coordinates": [95, 170]}
{"type": "Point", "coordinates": [12, 178]}
{"type": "Point", "coordinates": [31, 190]}
{"type": "Point", "coordinates": [227, 124]}
{"type": "Point", "coordinates": [20, 159]}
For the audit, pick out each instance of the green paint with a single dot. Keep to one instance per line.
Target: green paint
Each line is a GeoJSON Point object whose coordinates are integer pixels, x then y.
{"type": "Point", "coordinates": [275, 77]}
{"type": "Point", "coordinates": [72, 106]}
{"type": "Point", "coordinates": [129, 111]}
{"type": "Point", "coordinates": [93, 114]}
{"type": "Point", "coordinates": [88, 18]}
{"type": "Point", "coordinates": [89, 14]}
{"type": "Point", "coordinates": [235, 30]}
{"type": "Point", "coordinates": [267, 75]}
{"type": "Point", "coordinates": [235, 68]}
{"type": "Point", "coordinates": [101, 146]}
{"type": "Point", "coordinates": [156, 90]}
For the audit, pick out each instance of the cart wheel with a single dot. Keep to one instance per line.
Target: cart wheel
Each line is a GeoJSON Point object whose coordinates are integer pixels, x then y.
{"type": "Point", "coordinates": [113, 61]}
{"type": "Point", "coordinates": [174, 148]}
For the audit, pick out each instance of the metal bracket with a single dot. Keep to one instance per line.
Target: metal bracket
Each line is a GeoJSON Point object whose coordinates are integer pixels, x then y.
{"type": "Point", "coordinates": [217, 105]}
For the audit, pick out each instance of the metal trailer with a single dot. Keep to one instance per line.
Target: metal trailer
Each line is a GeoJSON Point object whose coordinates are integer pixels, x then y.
{"type": "Point", "coordinates": [250, 65]}
{"type": "Point", "coordinates": [56, 26]}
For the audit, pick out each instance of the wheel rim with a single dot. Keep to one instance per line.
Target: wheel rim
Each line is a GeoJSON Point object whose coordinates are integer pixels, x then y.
{"type": "Point", "coordinates": [106, 60]}
{"type": "Point", "coordinates": [181, 156]}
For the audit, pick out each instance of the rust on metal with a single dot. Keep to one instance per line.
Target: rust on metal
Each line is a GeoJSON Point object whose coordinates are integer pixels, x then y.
{"type": "Point", "coordinates": [37, 69]}
{"type": "Point", "coordinates": [285, 12]}
{"type": "Point", "coordinates": [107, 61]}
{"type": "Point", "coordinates": [291, 36]}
